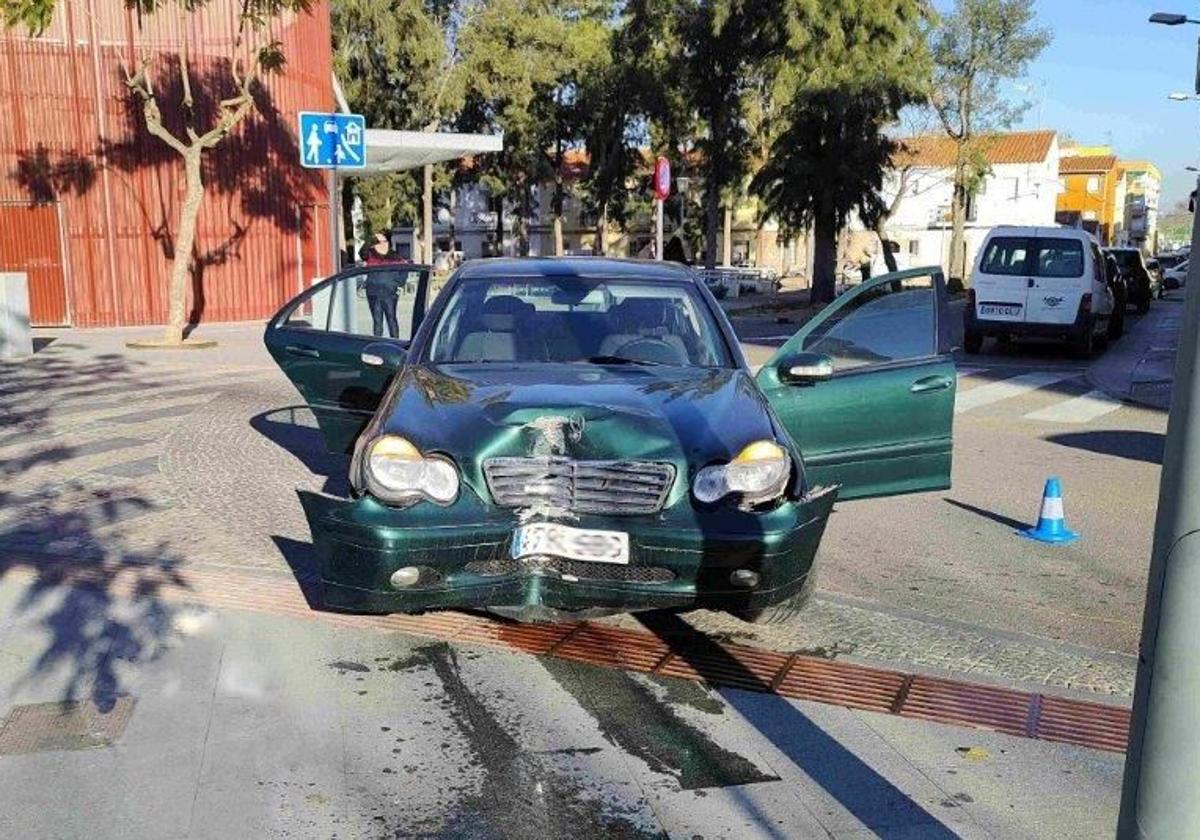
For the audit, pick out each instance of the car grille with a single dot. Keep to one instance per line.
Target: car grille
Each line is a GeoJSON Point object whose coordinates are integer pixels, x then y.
{"type": "Point", "coordinates": [608, 487]}
{"type": "Point", "coordinates": [572, 568]}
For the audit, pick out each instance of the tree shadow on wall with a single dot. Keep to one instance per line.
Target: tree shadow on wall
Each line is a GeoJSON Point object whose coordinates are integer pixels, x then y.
{"type": "Point", "coordinates": [251, 177]}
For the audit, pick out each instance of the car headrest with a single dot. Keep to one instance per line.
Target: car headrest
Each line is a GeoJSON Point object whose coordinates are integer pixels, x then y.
{"type": "Point", "coordinates": [645, 313]}
{"type": "Point", "coordinates": [500, 313]}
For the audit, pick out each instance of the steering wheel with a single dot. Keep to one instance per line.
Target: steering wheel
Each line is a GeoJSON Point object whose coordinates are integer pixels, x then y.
{"type": "Point", "coordinates": [648, 349]}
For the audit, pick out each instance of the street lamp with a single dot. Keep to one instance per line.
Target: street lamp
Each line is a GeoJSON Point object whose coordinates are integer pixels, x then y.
{"type": "Point", "coordinates": [1171, 19]}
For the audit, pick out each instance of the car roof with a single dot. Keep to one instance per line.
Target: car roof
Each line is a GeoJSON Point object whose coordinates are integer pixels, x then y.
{"type": "Point", "coordinates": [597, 267]}
{"type": "Point", "coordinates": [1049, 230]}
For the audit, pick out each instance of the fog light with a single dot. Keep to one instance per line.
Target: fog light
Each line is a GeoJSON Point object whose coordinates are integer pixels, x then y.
{"type": "Point", "coordinates": [744, 577]}
{"type": "Point", "coordinates": [405, 577]}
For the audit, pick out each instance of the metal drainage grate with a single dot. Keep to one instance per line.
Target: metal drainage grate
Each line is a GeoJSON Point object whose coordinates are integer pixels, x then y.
{"type": "Point", "coordinates": [573, 568]}
{"type": "Point", "coordinates": [63, 725]}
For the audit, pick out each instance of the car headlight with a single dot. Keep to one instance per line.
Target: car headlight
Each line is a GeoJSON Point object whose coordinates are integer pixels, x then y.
{"type": "Point", "coordinates": [759, 473]}
{"type": "Point", "coordinates": [397, 473]}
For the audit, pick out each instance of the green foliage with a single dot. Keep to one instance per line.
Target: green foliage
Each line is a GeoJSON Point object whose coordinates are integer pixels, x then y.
{"type": "Point", "coordinates": [977, 47]}
{"type": "Point", "coordinates": [845, 77]}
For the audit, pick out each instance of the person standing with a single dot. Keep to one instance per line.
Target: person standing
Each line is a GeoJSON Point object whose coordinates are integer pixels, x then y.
{"type": "Point", "coordinates": [381, 288]}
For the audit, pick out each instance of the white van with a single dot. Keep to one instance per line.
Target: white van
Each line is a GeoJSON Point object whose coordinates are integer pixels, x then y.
{"type": "Point", "coordinates": [1044, 282]}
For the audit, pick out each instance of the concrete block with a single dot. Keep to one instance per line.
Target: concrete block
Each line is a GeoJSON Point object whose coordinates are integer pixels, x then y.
{"type": "Point", "coordinates": [16, 338]}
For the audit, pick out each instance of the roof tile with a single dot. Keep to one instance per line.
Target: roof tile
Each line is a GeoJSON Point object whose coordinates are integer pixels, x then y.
{"type": "Point", "coordinates": [937, 150]}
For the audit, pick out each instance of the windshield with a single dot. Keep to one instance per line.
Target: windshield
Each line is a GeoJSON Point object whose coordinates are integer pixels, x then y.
{"type": "Point", "coordinates": [1127, 260]}
{"type": "Point", "coordinates": [572, 319]}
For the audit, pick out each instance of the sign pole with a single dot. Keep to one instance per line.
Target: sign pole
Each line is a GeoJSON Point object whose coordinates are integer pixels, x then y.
{"type": "Point", "coordinates": [334, 225]}
{"type": "Point", "coordinates": [658, 239]}
{"type": "Point", "coordinates": [662, 189]}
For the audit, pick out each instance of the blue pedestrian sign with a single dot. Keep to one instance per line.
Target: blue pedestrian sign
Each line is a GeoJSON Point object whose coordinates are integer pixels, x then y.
{"type": "Point", "coordinates": [333, 141]}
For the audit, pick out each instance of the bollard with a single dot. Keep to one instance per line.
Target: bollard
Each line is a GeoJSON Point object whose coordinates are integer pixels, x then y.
{"type": "Point", "coordinates": [16, 338]}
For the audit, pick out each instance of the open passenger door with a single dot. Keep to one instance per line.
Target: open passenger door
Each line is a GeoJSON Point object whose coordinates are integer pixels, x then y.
{"type": "Point", "coordinates": [866, 388]}
{"type": "Point", "coordinates": [342, 341]}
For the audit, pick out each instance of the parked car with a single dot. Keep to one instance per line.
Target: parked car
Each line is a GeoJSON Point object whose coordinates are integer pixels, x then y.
{"type": "Point", "coordinates": [582, 436]}
{"type": "Point", "coordinates": [1176, 278]}
{"type": "Point", "coordinates": [1042, 283]}
{"type": "Point", "coordinates": [1143, 286]}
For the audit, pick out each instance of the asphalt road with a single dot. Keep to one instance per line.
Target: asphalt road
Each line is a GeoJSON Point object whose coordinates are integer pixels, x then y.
{"type": "Point", "coordinates": [1024, 412]}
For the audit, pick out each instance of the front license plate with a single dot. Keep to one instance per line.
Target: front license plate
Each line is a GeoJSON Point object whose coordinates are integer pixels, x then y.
{"type": "Point", "coordinates": [553, 540]}
{"type": "Point", "coordinates": [1006, 310]}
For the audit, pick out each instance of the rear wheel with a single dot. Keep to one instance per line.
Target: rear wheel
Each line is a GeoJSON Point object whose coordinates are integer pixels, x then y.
{"type": "Point", "coordinates": [972, 342]}
{"type": "Point", "coordinates": [1084, 345]}
{"type": "Point", "coordinates": [1116, 324]}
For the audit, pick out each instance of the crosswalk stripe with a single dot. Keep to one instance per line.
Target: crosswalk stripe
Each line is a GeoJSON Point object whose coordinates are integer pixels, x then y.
{"type": "Point", "coordinates": [1081, 409]}
{"type": "Point", "coordinates": [1005, 389]}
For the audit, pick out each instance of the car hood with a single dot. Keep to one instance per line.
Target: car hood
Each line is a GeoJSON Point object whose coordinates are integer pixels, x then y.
{"type": "Point", "coordinates": [686, 416]}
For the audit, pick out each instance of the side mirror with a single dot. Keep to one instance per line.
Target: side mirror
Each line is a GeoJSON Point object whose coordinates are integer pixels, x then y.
{"type": "Point", "coordinates": [383, 354]}
{"type": "Point", "coordinates": [805, 368]}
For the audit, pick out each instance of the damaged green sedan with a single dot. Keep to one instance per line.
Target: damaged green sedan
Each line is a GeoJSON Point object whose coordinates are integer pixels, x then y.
{"type": "Point", "coordinates": [581, 436]}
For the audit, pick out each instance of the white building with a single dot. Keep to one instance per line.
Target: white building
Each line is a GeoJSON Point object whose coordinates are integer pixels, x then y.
{"type": "Point", "coordinates": [1021, 188]}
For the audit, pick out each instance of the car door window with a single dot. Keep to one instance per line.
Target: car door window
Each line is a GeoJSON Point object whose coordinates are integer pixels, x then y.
{"type": "Point", "coordinates": [311, 312]}
{"type": "Point", "coordinates": [892, 322]}
{"type": "Point", "coordinates": [380, 302]}
{"type": "Point", "coordinates": [1007, 255]}
{"type": "Point", "coordinates": [1059, 258]}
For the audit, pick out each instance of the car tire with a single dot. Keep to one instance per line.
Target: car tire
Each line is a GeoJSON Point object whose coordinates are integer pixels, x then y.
{"type": "Point", "coordinates": [780, 613]}
{"type": "Point", "coordinates": [972, 342]}
{"type": "Point", "coordinates": [1083, 346]}
{"type": "Point", "coordinates": [1116, 325]}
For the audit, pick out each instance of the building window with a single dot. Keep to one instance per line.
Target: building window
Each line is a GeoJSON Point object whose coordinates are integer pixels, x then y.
{"type": "Point", "coordinates": [914, 247]}
{"type": "Point", "coordinates": [1093, 184]}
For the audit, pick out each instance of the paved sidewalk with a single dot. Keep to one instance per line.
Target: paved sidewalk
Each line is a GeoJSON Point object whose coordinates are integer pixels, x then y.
{"type": "Point", "coordinates": [204, 723]}
{"type": "Point", "coordinates": [1141, 366]}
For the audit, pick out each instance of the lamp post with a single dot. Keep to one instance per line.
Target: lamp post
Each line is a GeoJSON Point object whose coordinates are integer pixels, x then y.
{"type": "Point", "coordinates": [1162, 764]}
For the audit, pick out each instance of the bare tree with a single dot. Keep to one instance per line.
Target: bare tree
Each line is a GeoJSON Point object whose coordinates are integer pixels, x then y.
{"type": "Point", "coordinates": [977, 46]}
{"type": "Point", "coordinates": [251, 55]}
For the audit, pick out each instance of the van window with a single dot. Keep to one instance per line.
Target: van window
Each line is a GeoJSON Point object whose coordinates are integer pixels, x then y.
{"type": "Point", "coordinates": [1006, 255]}
{"type": "Point", "coordinates": [1060, 258]}
{"type": "Point", "coordinates": [1024, 256]}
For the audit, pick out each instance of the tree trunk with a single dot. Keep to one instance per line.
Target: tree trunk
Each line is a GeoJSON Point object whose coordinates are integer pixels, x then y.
{"type": "Point", "coordinates": [727, 239]}
{"type": "Point", "coordinates": [185, 239]}
{"type": "Point", "coordinates": [499, 226]}
{"type": "Point", "coordinates": [523, 221]}
{"type": "Point", "coordinates": [712, 210]}
{"type": "Point", "coordinates": [958, 223]}
{"type": "Point", "coordinates": [825, 232]}
{"type": "Point", "coordinates": [427, 212]}
{"type": "Point", "coordinates": [558, 198]}
{"type": "Point", "coordinates": [886, 245]}
{"type": "Point", "coordinates": [601, 246]}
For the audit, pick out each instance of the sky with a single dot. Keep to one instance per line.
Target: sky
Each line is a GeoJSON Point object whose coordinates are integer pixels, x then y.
{"type": "Point", "coordinates": [1105, 77]}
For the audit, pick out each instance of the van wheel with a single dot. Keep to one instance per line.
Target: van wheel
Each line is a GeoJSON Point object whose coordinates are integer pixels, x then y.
{"type": "Point", "coordinates": [972, 342]}
{"type": "Point", "coordinates": [1116, 325]}
{"type": "Point", "coordinates": [1084, 345]}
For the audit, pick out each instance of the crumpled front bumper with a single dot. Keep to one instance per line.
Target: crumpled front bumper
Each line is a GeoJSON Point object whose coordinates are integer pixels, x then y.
{"type": "Point", "coordinates": [679, 558]}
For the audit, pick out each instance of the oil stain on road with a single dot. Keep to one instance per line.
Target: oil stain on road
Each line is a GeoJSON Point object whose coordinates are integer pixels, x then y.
{"type": "Point", "coordinates": [633, 719]}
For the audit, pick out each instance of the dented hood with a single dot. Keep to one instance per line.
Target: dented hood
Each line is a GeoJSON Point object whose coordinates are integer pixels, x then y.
{"type": "Point", "coordinates": [685, 416]}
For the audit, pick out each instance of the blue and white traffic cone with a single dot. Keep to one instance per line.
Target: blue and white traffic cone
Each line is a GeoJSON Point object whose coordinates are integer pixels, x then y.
{"type": "Point", "coordinates": [1052, 523]}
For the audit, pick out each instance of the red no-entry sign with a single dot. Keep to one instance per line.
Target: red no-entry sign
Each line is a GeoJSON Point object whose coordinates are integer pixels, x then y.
{"type": "Point", "coordinates": [662, 178]}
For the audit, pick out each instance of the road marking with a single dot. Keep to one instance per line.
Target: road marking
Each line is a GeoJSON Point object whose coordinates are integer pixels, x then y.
{"type": "Point", "coordinates": [970, 371]}
{"type": "Point", "coordinates": [1005, 389]}
{"type": "Point", "coordinates": [1082, 409]}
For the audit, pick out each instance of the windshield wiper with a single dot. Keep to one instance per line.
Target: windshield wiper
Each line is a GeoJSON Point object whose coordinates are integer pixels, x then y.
{"type": "Point", "coordinates": [620, 360]}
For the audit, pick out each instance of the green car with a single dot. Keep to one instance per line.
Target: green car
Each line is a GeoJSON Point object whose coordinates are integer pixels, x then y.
{"type": "Point", "coordinates": [582, 436]}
